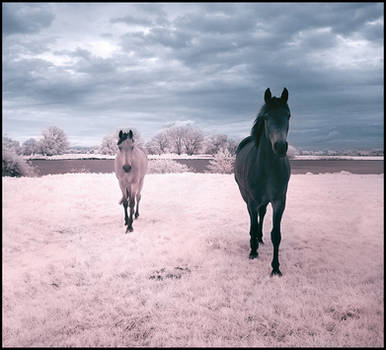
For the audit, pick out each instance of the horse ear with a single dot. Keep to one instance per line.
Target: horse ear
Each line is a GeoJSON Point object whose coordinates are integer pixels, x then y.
{"type": "Point", "coordinates": [267, 95]}
{"type": "Point", "coordinates": [120, 134]}
{"type": "Point", "coordinates": [284, 95]}
{"type": "Point", "coordinates": [130, 134]}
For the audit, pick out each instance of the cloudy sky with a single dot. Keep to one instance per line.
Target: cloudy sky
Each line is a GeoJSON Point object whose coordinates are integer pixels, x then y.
{"type": "Point", "coordinates": [93, 68]}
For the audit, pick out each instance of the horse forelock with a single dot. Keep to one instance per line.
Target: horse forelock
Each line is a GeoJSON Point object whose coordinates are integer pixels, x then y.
{"type": "Point", "coordinates": [275, 102]}
{"type": "Point", "coordinates": [123, 138]}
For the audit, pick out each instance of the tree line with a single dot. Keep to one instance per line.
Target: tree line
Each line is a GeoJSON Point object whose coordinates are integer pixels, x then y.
{"type": "Point", "coordinates": [54, 141]}
{"type": "Point", "coordinates": [177, 139]}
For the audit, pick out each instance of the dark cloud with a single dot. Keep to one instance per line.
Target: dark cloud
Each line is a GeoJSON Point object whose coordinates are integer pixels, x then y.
{"type": "Point", "coordinates": [208, 63]}
{"type": "Point", "coordinates": [25, 18]}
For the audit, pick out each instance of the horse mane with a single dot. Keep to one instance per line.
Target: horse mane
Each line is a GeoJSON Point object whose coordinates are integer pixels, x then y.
{"type": "Point", "coordinates": [256, 131]}
{"type": "Point", "coordinates": [258, 128]}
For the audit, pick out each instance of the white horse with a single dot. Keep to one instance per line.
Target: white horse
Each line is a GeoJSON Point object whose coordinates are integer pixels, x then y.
{"type": "Point", "coordinates": [130, 168]}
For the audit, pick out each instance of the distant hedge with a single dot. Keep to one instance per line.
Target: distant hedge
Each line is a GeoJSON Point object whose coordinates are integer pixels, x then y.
{"type": "Point", "coordinates": [161, 166]}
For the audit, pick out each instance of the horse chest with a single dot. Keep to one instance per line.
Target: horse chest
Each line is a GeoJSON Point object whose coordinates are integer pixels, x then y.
{"type": "Point", "coordinates": [268, 184]}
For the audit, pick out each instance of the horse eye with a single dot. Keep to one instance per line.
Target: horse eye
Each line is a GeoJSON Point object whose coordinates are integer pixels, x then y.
{"type": "Point", "coordinates": [132, 147]}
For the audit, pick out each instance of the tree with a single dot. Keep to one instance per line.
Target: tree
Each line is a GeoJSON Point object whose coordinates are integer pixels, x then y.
{"type": "Point", "coordinates": [232, 146]}
{"type": "Point", "coordinates": [109, 145]}
{"type": "Point", "coordinates": [11, 145]}
{"type": "Point", "coordinates": [159, 144]}
{"type": "Point", "coordinates": [14, 165]}
{"type": "Point", "coordinates": [214, 143]}
{"type": "Point", "coordinates": [193, 140]}
{"type": "Point", "coordinates": [30, 146]}
{"type": "Point", "coordinates": [184, 138]}
{"type": "Point", "coordinates": [176, 136]}
{"type": "Point", "coordinates": [217, 142]}
{"type": "Point", "coordinates": [223, 162]}
{"type": "Point", "coordinates": [54, 141]}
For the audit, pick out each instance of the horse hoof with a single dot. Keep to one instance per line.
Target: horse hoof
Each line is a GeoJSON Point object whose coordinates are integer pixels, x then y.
{"type": "Point", "coordinates": [129, 229]}
{"type": "Point", "coordinates": [276, 273]}
{"type": "Point", "coordinates": [136, 216]}
{"type": "Point", "coordinates": [253, 255]}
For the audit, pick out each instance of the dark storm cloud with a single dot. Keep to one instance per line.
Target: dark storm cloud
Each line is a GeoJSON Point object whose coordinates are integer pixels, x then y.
{"type": "Point", "coordinates": [25, 18]}
{"type": "Point", "coordinates": [205, 62]}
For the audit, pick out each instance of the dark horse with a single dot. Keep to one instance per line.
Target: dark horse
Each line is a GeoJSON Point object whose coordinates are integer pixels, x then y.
{"type": "Point", "coordinates": [262, 171]}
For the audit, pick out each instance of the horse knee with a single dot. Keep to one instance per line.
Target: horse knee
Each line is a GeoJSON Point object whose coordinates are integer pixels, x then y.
{"type": "Point", "coordinates": [275, 237]}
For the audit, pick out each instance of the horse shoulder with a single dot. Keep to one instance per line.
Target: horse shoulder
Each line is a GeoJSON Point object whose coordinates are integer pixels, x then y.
{"type": "Point", "coordinates": [118, 167]}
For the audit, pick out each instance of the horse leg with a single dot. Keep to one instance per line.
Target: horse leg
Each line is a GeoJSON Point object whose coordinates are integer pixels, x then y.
{"type": "Point", "coordinates": [138, 198]}
{"type": "Point", "coordinates": [125, 204]}
{"type": "Point", "coordinates": [278, 209]}
{"type": "Point", "coordinates": [131, 204]}
{"type": "Point", "coordinates": [262, 211]}
{"type": "Point", "coordinates": [253, 232]}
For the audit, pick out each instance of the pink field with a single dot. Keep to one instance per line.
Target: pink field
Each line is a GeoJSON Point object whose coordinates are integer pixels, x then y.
{"type": "Point", "coordinates": [72, 277]}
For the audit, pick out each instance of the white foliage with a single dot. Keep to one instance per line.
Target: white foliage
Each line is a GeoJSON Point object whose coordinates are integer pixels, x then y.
{"type": "Point", "coordinates": [30, 146]}
{"type": "Point", "coordinates": [193, 140]}
{"type": "Point", "coordinates": [15, 165]}
{"type": "Point", "coordinates": [11, 145]}
{"type": "Point", "coordinates": [54, 141]}
{"type": "Point", "coordinates": [215, 143]}
{"type": "Point", "coordinates": [159, 144]}
{"type": "Point", "coordinates": [223, 162]}
{"type": "Point", "coordinates": [162, 166]}
{"type": "Point", "coordinates": [109, 145]}
{"type": "Point", "coordinates": [185, 138]}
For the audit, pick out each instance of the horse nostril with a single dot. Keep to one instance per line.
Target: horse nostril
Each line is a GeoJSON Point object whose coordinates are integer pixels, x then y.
{"type": "Point", "coordinates": [126, 168]}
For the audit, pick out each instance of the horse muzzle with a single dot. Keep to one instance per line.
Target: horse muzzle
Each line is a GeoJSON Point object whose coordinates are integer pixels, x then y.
{"type": "Point", "coordinates": [126, 168]}
{"type": "Point", "coordinates": [281, 148]}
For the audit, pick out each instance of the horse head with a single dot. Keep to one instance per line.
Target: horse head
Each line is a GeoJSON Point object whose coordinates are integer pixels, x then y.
{"type": "Point", "coordinates": [126, 147]}
{"type": "Point", "coordinates": [276, 114]}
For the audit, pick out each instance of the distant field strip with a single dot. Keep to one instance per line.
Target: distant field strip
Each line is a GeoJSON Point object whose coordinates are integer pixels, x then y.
{"type": "Point", "coordinates": [60, 166]}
